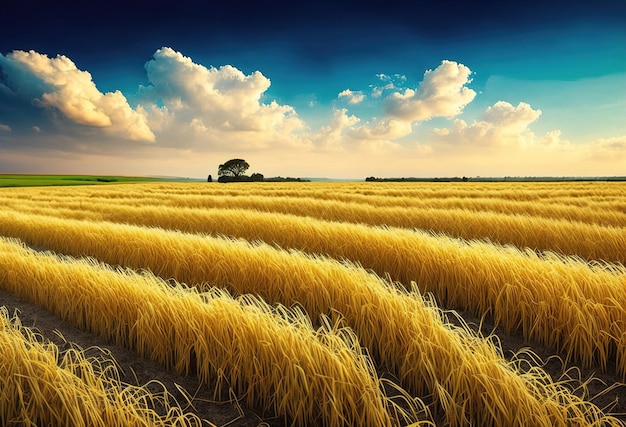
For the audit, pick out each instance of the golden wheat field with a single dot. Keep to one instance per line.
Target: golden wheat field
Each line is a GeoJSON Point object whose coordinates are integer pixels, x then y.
{"type": "Point", "coordinates": [317, 304]}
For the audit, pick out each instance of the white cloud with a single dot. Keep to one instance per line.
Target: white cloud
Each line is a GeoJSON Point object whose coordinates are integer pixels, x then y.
{"type": "Point", "coordinates": [552, 140]}
{"type": "Point", "coordinates": [501, 125]}
{"type": "Point", "coordinates": [387, 129]}
{"type": "Point", "coordinates": [392, 82]}
{"type": "Point", "coordinates": [377, 91]}
{"type": "Point", "coordinates": [442, 93]}
{"type": "Point", "coordinates": [56, 84]}
{"type": "Point", "coordinates": [502, 142]}
{"type": "Point", "coordinates": [513, 119]}
{"type": "Point", "coordinates": [198, 114]}
{"type": "Point", "coordinates": [391, 78]}
{"type": "Point", "coordinates": [332, 136]}
{"type": "Point", "coordinates": [353, 97]}
{"type": "Point", "coordinates": [607, 148]}
{"type": "Point", "coordinates": [214, 106]}
{"type": "Point", "coordinates": [344, 133]}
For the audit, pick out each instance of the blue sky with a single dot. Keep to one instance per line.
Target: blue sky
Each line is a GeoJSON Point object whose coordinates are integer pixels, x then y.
{"type": "Point", "coordinates": [320, 89]}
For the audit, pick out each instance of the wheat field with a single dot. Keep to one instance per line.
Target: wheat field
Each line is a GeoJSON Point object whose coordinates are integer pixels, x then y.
{"type": "Point", "coordinates": [334, 303]}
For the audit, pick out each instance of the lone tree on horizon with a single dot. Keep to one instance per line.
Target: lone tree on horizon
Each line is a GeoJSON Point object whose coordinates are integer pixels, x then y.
{"type": "Point", "coordinates": [233, 167]}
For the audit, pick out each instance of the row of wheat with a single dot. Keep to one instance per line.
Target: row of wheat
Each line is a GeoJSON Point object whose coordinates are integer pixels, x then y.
{"type": "Point", "coordinates": [40, 385]}
{"type": "Point", "coordinates": [585, 193]}
{"type": "Point", "coordinates": [601, 203]}
{"type": "Point", "coordinates": [575, 308]}
{"type": "Point", "coordinates": [466, 376]}
{"type": "Point", "coordinates": [272, 356]}
{"type": "Point", "coordinates": [586, 239]}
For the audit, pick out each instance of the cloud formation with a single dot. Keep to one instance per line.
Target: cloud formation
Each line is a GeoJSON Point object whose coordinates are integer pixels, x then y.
{"type": "Point", "coordinates": [390, 83]}
{"type": "Point", "coordinates": [212, 105]}
{"type": "Point", "coordinates": [55, 84]}
{"type": "Point", "coordinates": [332, 136]}
{"type": "Point", "coordinates": [608, 148]}
{"type": "Point", "coordinates": [501, 124]}
{"type": "Point", "coordinates": [353, 97]}
{"type": "Point", "coordinates": [387, 129]}
{"type": "Point", "coordinates": [51, 109]}
{"type": "Point", "coordinates": [442, 93]}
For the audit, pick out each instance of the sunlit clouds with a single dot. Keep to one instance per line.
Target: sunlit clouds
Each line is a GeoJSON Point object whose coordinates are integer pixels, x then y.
{"type": "Point", "coordinates": [351, 96]}
{"type": "Point", "coordinates": [501, 124]}
{"type": "Point", "coordinates": [187, 115]}
{"type": "Point", "coordinates": [56, 84]}
{"type": "Point", "coordinates": [190, 105]}
{"type": "Point", "coordinates": [442, 93]}
{"type": "Point", "coordinates": [608, 149]}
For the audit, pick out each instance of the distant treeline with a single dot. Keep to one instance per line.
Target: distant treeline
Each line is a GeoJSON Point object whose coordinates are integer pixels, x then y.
{"type": "Point", "coordinates": [241, 178]}
{"type": "Point", "coordinates": [259, 178]}
{"type": "Point", "coordinates": [287, 179]}
{"type": "Point", "coordinates": [455, 179]}
{"type": "Point", "coordinates": [501, 179]}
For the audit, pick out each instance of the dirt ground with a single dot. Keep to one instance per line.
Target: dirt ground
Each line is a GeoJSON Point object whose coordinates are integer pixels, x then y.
{"type": "Point", "coordinates": [140, 371]}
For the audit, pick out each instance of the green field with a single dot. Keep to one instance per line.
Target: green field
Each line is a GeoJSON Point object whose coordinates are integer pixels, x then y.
{"type": "Point", "coordinates": [19, 180]}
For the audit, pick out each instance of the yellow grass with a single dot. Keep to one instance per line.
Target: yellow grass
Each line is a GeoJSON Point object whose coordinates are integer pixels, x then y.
{"type": "Point", "coordinates": [573, 306]}
{"type": "Point", "coordinates": [585, 236]}
{"type": "Point", "coordinates": [567, 305]}
{"type": "Point", "coordinates": [41, 386]}
{"type": "Point", "coordinates": [271, 356]}
{"type": "Point", "coordinates": [466, 375]}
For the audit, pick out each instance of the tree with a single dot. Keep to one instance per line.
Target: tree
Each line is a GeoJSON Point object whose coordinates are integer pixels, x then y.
{"type": "Point", "coordinates": [233, 167]}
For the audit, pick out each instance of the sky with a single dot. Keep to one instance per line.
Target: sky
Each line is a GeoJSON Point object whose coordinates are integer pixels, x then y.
{"type": "Point", "coordinates": [314, 89]}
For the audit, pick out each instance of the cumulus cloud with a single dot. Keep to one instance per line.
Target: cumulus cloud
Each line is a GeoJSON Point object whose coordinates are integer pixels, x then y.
{"type": "Point", "coordinates": [213, 104]}
{"type": "Point", "coordinates": [608, 148]}
{"type": "Point", "coordinates": [514, 119]}
{"type": "Point", "coordinates": [52, 110]}
{"type": "Point", "coordinates": [332, 136]}
{"type": "Point", "coordinates": [442, 93]}
{"type": "Point", "coordinates": [56, 84]}
{"type": "Point", "coordinates": [344, 132]}
{"type": "Point", "coordinates": [387, 129]}
{"type": "Point", "coordinates": [501, 125]}
{"type": "Point", "coordinates": [353, 97]}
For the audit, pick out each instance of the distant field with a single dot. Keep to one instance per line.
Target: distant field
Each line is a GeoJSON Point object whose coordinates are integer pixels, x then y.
{"type": "Point", "coordinates": [18, 180]}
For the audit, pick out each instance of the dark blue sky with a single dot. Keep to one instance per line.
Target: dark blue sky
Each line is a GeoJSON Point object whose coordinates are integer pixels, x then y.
{"type": "Point", "coordinates": [318, 34]}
